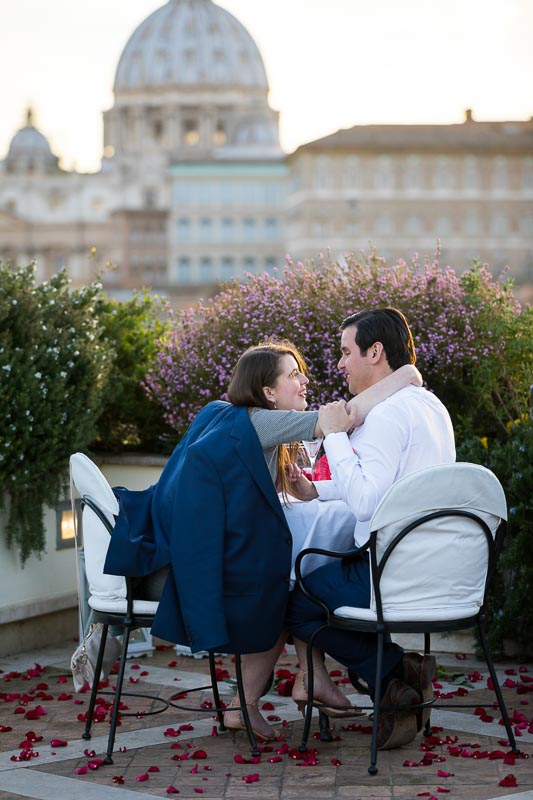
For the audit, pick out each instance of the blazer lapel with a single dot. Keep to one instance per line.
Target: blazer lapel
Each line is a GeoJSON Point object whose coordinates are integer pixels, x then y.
{"type": "Point", "coordinates": [249, 451]}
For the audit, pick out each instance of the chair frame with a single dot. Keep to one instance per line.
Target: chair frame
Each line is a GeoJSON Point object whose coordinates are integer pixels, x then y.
{"type": "Point", "coordinates": [129, 621]}
{"type": "Point", "coordinates": [381, 627]}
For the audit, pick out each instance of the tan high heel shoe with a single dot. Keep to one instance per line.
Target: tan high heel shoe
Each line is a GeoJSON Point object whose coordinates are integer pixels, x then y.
{"type": "Point", "coordinates": [233, 721]}
{"type": "Point", "coordinates": [299, 695]}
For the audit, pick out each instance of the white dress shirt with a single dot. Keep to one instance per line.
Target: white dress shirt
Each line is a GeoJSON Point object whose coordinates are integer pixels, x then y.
{"type": "Point", "coordinates": [410, 430]}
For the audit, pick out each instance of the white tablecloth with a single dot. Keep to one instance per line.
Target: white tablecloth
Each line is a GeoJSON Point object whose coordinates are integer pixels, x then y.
{"type": "Point", "coordinates": [328, 524]}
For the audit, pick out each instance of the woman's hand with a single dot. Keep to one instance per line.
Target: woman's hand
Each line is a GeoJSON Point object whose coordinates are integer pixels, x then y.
{"type": "Point", "coordinates": [300, 487]}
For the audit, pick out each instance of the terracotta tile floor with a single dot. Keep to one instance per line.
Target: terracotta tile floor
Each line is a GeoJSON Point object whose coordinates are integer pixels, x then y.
{"type": "Point", "coordinates": [145, 748]}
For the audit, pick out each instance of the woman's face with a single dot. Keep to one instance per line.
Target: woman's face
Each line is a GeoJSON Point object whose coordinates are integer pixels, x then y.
{"type": "Point", "coordinates": [289, 391]}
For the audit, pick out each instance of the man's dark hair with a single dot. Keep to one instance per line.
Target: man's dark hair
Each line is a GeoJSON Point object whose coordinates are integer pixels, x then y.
{"type": "Point", "coordinates": [388, 326]}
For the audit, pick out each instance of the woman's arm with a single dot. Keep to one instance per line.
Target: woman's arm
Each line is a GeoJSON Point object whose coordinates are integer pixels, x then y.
{"type": "Point", "coordinates": [359, 406]}
{"type": "Point", "coordinates": [282, 427]}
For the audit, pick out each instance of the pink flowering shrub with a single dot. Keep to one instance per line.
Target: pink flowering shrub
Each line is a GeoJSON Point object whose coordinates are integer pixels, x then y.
{"type": "Point", "coordinates": [457, 322]}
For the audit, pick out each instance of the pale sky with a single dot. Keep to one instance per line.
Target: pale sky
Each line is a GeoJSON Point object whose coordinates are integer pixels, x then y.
{"type": "Point", "coordinates": [331, 63]}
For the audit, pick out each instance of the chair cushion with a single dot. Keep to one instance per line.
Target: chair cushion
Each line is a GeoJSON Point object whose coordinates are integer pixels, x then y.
{"type": "Point", "coordinates": [95, 544]}
{"type": "Point", "coordinates": [90, 482]}
{"type": "Point", "coordinates": [117, 606]}
{"type": "Point", "coordinates": [426, 614]}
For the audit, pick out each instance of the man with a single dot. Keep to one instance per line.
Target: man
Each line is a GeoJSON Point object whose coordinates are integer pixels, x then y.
{"type": "Point", "coordinates": [409, 431]}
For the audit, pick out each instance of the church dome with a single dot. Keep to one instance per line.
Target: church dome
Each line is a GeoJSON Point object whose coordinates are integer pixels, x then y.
{"type": "Point", "coordinates": [190, 43]}
{"type": "Point", "coordinates": [29, 149]}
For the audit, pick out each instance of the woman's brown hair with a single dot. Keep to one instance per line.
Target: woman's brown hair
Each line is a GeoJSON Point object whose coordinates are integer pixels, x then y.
{"type": "Point", "coordinates": [260, 366]}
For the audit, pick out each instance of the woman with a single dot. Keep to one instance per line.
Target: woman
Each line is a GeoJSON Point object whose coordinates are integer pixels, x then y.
{"type": "Point", "coordinates": [272, 377]}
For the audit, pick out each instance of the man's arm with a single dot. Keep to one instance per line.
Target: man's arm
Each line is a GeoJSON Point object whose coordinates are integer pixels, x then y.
{"type": "Point", "coordinates": [359, 406]}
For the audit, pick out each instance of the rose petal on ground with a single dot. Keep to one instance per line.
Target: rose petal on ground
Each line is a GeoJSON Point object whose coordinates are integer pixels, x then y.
{"type": "Point", "coordinates": [253, 778]}
{"type": "Point", "coordinates": [172, 790]}
{"type": "Point", "coordinates": [143, 777]}
{"type": "Point", "coordinates": [509, 780]}
{"type": "Point", "coordinates": [80, 771]}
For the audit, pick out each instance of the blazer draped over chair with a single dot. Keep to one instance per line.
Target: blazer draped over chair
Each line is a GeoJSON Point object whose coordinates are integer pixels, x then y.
{"type": "Point", "coordinates": [215, 517]}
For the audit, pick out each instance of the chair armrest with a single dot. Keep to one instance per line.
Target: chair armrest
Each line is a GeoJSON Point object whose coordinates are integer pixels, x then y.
{"type": "Point", "coordinates": [350, 555]}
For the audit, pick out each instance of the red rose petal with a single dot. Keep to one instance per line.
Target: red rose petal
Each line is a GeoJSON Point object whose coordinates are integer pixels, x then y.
{"type": "Point", "coordinates": [509, 780]}
{"type": "Point", "coordinates": [80, 771]}
{"type": "Point", "coordinates": [58, 743]}
{"type": "Point", "coordinates": [274, 759]}
{"type": "Point", "coordinates": [253, 778]}
{"type": "Point", "coordinates": [172, 790]}
{"type": "Point", "coordinates": [118, 779]}
{"type": "Point", "coordinates": [199, 754]}
{"type": "Point", "coordinates": [153, 769]}
{"type": "Point", "coordinates": [142, 778]}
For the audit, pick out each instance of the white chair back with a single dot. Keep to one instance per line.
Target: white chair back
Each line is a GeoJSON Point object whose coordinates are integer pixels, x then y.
{"type": "Point", "coordinates": [439, 570]}
{"type": "Point", "coordinates": [107, 592]}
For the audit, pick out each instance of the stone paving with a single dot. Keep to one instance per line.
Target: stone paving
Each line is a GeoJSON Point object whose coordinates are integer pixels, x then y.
{"type": "Point", "coordinates": [43, 757]}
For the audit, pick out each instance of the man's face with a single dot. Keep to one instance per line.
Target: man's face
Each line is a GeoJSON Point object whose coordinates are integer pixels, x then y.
{"type": "Point", "coordinates": [355, 366]}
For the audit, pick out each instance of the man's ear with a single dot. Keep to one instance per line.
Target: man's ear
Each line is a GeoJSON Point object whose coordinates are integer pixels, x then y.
{"type": "Point", "coordinates": [376, 352]}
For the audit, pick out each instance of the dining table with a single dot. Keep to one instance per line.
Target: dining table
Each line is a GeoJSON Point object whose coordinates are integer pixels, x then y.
{"type": "Point", "coordinates": [328, 524]}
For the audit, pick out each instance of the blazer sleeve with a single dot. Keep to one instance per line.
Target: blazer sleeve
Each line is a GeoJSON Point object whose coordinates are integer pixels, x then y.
{"type": "Point", "coordinates": [134, 548]}
{"type": "Point", "coordinates": [197, 550]}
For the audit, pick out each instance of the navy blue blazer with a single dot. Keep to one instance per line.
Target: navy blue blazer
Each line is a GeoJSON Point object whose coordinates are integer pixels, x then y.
{"type": "Point", "coordinates": [216, 518]}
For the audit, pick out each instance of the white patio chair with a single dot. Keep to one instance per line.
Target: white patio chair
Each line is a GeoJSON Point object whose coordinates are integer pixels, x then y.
{"type": "Point", "coordinates": [435, 538]}
{"type": "Point", "coordinates": [111, 596]}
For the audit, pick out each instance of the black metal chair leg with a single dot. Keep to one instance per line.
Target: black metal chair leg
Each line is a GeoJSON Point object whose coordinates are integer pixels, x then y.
{"type": "Point", "coordinates": [118, 693]}
{"type": "Point", "coordinates": [244, 708]}
{"type": "Point", "coordinates": [324, 727]}
{"type": "Point", "coordinates": [216, 694]}
{"type": "Point", "coordinates": [377, 699]}
{"type": "Point", "coordinates": [310, 692]}
{"type": "Point", "coordinates": [497, 689]}
{"type": "Point", "coordinates": [94, 689]}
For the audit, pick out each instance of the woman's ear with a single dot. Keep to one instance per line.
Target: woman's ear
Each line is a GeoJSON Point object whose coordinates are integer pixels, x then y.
{"type": "Point", "coordinates": [269, 394]}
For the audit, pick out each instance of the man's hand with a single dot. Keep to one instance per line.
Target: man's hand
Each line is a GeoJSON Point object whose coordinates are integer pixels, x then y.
{"type": "Point", "coordinates": [334, 418]}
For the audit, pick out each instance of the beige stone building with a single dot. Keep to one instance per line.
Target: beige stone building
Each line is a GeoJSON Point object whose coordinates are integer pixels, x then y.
{"type": "Point", "coordinates": [194, 187]}
{"type": "Point", "coordinates": [403, 188]}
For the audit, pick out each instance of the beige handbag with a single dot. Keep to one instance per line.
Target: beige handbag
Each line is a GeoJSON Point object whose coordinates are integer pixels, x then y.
{"type": "Point", "coordinates": [83, 661]}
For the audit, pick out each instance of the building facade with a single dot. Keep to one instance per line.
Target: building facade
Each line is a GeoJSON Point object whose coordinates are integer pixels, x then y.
{"type": "Point", "coordinates": [194, 187]}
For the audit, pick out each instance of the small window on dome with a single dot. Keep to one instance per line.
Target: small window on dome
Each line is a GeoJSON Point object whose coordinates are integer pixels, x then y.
{"type": "Point", "coordinates": [157, 129]}
{"type": "Point", "coordinates": [191, 133]}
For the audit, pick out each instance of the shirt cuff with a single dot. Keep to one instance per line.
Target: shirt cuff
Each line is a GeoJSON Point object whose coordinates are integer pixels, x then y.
{"type": "Point", "coordinates": [327, 490]}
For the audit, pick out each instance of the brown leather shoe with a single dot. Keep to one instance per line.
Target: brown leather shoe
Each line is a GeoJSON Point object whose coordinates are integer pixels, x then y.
{"type": "Point", "coordinates": [418, 672]}
{"type": "Point", "coordinates": [397, 727]}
